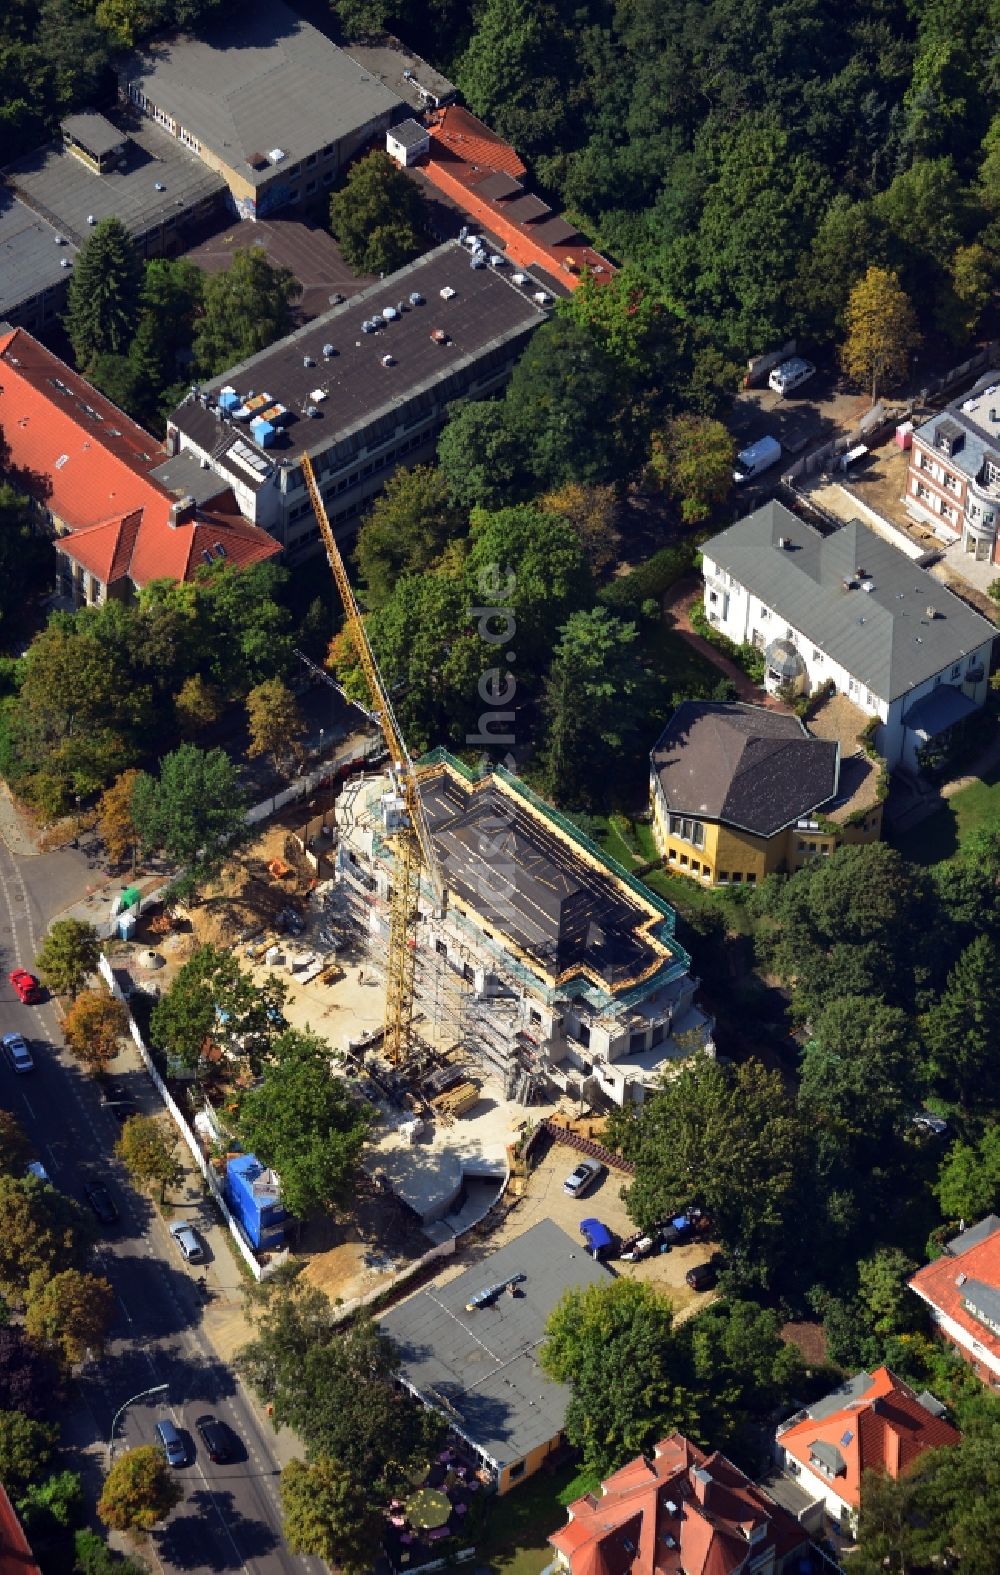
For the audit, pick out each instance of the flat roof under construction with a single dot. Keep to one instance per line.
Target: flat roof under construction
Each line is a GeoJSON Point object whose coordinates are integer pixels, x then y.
{"type": "Point", "coordinates": [552, 896]}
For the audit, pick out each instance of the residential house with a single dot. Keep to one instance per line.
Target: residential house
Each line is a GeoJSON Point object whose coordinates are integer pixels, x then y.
{"type": "Point", "coordinates": [361, 390]}
{"type": "Point", "coordinates": [678, 1511]}
{"type": "Point", "coordinates": [962, 1290]}
{"type": "Point", "coordinates": [16, 1557]}
{"type": "Point", "coordinates": [872, 1422]}
{"type": "Point", "coordinates": [849, 610]}
{"type": "Point", "coordinates": [265, 100]}
{"type": "Point", "coordinates": [953, 481]}
{"type": "Point", "coordinates": [738, 791]}
{"type": "Point", "coordinates": [121, 513]}
{"type": "Point", "coordinates": [469, 1349]}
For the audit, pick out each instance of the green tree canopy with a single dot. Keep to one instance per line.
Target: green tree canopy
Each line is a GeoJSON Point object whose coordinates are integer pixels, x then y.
{"type": "Point", "coordinates": [26, 1448]}
{"type": "Point", "coordinates": [44, 1232]}
{"type": "Point", "coordinates": [568, 404]}
{"type": "Point", "coordinates": [193, 813]}
{"type": "Point", "coordinates": [615, 1345]}
{"type": "Point", "coordinates": [68, 956]}
{"type": "Point", "coordinates": [148, 1150]}
{"type": "Point", "coordinates": [410, 524]}
{"type": "Point", "coordinates": [860, 1070]}
{"type": "Point", "coordinates": [276, 724]}
{"type": "Point", "coordinates": [968, 1184]}
{"type": "Point", "coordinates": [480, 454]}
{"type": "Point", "coordinates": [692, 459]}
{"type": "Point", "coordinates": [245, 309]}
{"type": "Point", "coordinates": [724, 1139]}
{"type": "Point", "coordinates": [537, 565]}
{"type": "Point", "coordinates": [962, 1030]}
{"type": "Point", "coordinates": [139, 1490]}
{"type": "Point", "coordinates": [26, 560]}
{"type": "Point", "coordinates": [378, 215]}
{"type": "Point", "coordinates": [336, 1387]}
{"type": "Point", "coordinates": [212, 1001]}
{"type": "Point", "coordinates": [328, 1512]}
{"type": "Point", "coordinates": [305, 1123]}
{"type": "Point", "coordinates": [71, 1314]}
{"type": "Point", "coordinates": [597, 701]}
{"type": "Point", "coordinates": [103, 297]}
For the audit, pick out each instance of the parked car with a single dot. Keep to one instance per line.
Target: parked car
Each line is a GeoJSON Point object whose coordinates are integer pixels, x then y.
{"type": "Point", "coordinates": [583, 1177]}
{"type": "Point", "coordinates": [116, 1099]}
{"type": "Point", "coordinates": [27, 986]}
{"type": "Point", "coordinates": [790, 375]}
{"type": "Point", "coordinates": [17, 1053]}
{"type": "Point", "coordinates": [101, 1201]}
{"type": "Point", "coordinates": [216, 1438]}
{"type": "Point", "coordinates": [171, 1442]}
{"type": "Point", "coordinates": [598, 1237]}
{"type": "Point", "coordinates": [702, 1277]}
{"type": "Point", "coordinates": [927, 1121]}
{"type": "Point", "coordinates": [188, 1245]}
{"type": "Point", "coordinates": [36, 1168]}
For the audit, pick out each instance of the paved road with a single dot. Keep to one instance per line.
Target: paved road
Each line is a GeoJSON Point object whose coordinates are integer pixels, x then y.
{"type": "Point", "coordinates": [229, 1518]}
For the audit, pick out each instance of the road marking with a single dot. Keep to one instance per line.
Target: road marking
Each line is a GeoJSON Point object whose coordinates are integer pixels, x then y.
{"type": "Point", "coordinates": [52, 1159]}
{"type": "Point", "coordinates": [125, 1309]}
{"type": "Point", "coordinates": [30, 1111]}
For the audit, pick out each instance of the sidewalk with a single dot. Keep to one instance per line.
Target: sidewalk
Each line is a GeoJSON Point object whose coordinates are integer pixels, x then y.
{"type": "Point", "coordinates": [223, 1318]}
{"type": "Point", "coordinates": [15, 829]}
{"type": "Point", "coordinates": [677, 611]}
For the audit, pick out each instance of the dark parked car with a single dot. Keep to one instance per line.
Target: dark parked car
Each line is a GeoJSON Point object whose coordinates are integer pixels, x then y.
{"type": "Point", "coordinates": [702, 1277]}
{"type": "Point", "coordinates": [101, 1202]}
{"type": "Point", "coordinates": [216, 1438]}
{"type": "Point", "coordinates": [117, 1101]}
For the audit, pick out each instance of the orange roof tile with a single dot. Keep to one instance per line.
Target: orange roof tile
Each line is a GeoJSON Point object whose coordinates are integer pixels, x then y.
{"type": "Point", "coordinates": [89, 464]}
{"type": "Point", "coordinates": [465, 137]}
{"type": "Point", "coordinates": [943, 1283]}
{"type": "Point", "coordinates": [16, 1557]}
{"type": "Point", "coordinates": [885, 1428]}
{"type": "Point", "coordinates": [681, 1511]}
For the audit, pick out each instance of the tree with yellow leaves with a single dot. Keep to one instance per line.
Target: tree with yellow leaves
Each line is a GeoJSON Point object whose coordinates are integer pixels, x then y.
{"type": "Point", "coordinates": [882, 332]}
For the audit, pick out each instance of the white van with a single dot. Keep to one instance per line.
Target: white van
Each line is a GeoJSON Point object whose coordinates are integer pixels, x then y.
{"type": "Point", "coordinates": [758, 457]}
{"type": "Point", "coordinates": [790, 375]}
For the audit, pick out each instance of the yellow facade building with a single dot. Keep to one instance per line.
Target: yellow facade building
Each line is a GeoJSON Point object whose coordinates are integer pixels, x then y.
{"type": "Point", "coordinates": [739, 791]}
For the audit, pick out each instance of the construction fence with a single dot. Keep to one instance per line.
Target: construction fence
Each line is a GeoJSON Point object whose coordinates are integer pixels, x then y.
{"type": "Point", "coordinates": [260, 1271]}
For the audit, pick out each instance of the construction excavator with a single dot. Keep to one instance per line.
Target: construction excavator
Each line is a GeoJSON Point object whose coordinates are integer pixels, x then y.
{"type": "Point", "coordinates": [410, 841]}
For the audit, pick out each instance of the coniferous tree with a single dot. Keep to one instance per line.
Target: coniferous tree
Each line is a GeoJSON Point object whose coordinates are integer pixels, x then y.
{"type": "Point", "coordinates": [104, 294]}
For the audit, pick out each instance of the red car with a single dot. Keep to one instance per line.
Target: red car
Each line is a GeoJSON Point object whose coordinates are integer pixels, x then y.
{"type": "Point", "coordinates": [27, 986]}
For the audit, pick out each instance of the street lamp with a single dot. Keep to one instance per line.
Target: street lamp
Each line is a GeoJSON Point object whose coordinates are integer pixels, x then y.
{"type": "Point", "coordinates": [158, 1389]}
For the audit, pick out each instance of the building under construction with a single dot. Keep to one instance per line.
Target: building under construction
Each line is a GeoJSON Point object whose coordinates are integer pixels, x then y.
{"type": "Point", "coordinates": [551, 966]}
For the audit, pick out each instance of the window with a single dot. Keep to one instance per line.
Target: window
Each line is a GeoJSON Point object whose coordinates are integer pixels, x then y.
{"type": "Point", "coordinates": [723, 877]}
{"type": "Point", "coordinates": [467, 973]}
{"type": "Point", "coordinates": [757, 640]}
{"type": "Point", "coordinates": [516, 1470]}
{"type": "Point", "coordinates": [992, 472]}
{"type": "Point", "coordinates": [310, 186]}
{"type": "Point", "coordinates": [534, 1017]}
{"type": "Point", "coordinates": [956, 670]}
{"type": "Point", "coordinates": [736, 878]}
{"type": "Point", "coordinates": [751, 879]}
{"type": "Point", "coordinates": [869, 697]}
{"type": "Point", "coordinates": [801, 847]}
{"type": "Point", "coordinates": [688, 830]}
{"type": "Point", "coordinates": [950, 481]}
{"type": "Point", "coordinates": [713, 597]}
{"type": "Point", "coordinates": [763, 611]}
{"type": "Point", "coordinates": [584, 1035]}
{"type": "Point", "coordinates": [817, 656]}
{"type": "Point", "coordinates": [684, 860]}
{"type": "Point", "coordinates": [311, 160]}
{"type": "Point", "coordinates": [923, 492]}
{"type": "Point", "coordinates": [696, 867]}
{"type": "Point", "coordinates": [440, 948]}
{"type": "Point", "coordinates": [637, 1041]}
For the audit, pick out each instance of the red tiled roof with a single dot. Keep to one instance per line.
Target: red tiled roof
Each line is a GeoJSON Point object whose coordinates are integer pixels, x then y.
{"type": "Point", "coordinates": [885, 1429]}
{"type": "Point", "coordinates": [681, 1511]}
{"type": "Point", "coordinates": [942, 1283]}
{"type": "Point", "coordinates": [90, 466]}
{"type": "Point", "coordinates": [16, 1557]}
{"type": "Point", "coordinates": [460, 133]}
{"type": "Point", "coordinates": [464, 159]}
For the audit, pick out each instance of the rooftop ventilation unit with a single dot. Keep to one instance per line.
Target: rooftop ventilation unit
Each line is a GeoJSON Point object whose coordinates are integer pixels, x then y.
{"type": "Point", "coordinates": [477, 261]}
{"type": "Point", "coordinates": [416, 299]}
{"type": "Point", "coordinates": [91, 219]}
{"type": "Point", "coordinates": [960, 1280]}
{"type": "Point", "coordinates": [276, 155]}
{"type": "Point", "coordinates": [308, 360]}
{"type": "Point", "coordinates": [388, 360]}
{"type": "Point", "coordinates": [318, 395]}
{"type": "Point", "coordinates": [389, 314]}
{"type": "Point", "coordinates": [784, 542]}
{"type": "Point", "coordinates": [519, 278]}
{"type": "Point", "coordinates": [448, 294]}
{"type": "Point", "coordinates": [366, 326]}
{"type": "Point", "coordinates": [64, 262]}
{"type": "Point", "coordinates": [328, 351]}
{"type": "Point", "coordinates": [497, 260]}
{"type": "Point", "coordinates": [932, 613]}
{"type": "Point", "coordinates": [542, 297]}
{"type": "Point", "coordinates": [60, 240]}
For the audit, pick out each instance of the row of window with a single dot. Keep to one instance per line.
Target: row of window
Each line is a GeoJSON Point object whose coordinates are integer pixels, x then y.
{"type": "Point", "coordinates": [687, 830]}
{"type": "Point", "coordinates": [924, 493]}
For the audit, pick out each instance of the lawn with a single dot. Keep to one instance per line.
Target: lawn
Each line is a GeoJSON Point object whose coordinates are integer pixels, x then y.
{"type": "Point", "coordinates": [520, 1522]}
{"type": "Point", "coordinates": [972, 808]}
{"type": "Point", "coordinates": [685, 672]}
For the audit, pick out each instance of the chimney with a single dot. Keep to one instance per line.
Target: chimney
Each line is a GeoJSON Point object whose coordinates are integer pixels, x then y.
{"type": "Point", "coordinates": [181, 511]}
{"type": "Point", "coordinates": [701, 1481]}
{"type": "Point", "coordinates": [932, 613]}
{"type": "Point", "coordinates": [892, 1443]}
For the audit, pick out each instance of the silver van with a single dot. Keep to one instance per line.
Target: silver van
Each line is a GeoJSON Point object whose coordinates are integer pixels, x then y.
{"type": "Point", "coordinates": [790, 375]}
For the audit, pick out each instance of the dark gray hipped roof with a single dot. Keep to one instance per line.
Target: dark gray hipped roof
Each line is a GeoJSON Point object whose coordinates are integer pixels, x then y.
{"type": "Point", "coordinates": [974, 1236]}
{"type": "Point", "coordinates": [883, 637]}
{"type": "Point", "coordinates": [936, 712]}
{"type": "Point", "coordinates": [754, 768]}
{"type": "Point", "coordinates": [260, 80]}
{"type": "Point", "coordinates": [982, 1299]}
{"type": "Point", "coordinates": [481, 1368]}
{"type": "Point", "coordinates": [971, 424]}
{"type": "Point", "coordinates": [851, 1389]}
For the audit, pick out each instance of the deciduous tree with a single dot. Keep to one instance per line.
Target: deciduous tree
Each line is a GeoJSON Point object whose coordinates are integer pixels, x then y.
{"type": "Point", "coordinates": [593, 512]}
{"type": "Point", "coordinates": [26, 559]}
{"type": "Point", "coordinates": [615, 1346]}
{"type": "Point", "coordinates": [860, 1075]}
{"type": "Point", "coordinates": [103, 298]}
{"type": "Point", "coordinates": [596, 703]}
{"type": "Point", "coordinates": [71, 1314]}
{"type": "Point", "coordinates": [245, 309]}
{"type": "Point", "coordinates": [68, 956]}
{"type": "Point", "coordinates": [114, 818]}
{"type": "Point", "coordinates": [276, 724]}
{"type": "Point", "coordinates": [305, 1123]}
{"type": "Point", "coordinates": [568, 404]}
{"type": "Point", "coordinates": [94, 1026]}
{"type": "Point", "coordinates": [410, 524]}
{"type": "Point", "coordinates": [727, 1140]}
{"type": "Point", "coordinates": [968, 1184]}
{"type": "Point", "coordinates": [148, 1150]}
{"type": "Point", "coordinates": [329, 1513]}
{"type": "Point", "coordinates": [193, 813]}
{"type": "Point", "coordinates": [480, 455]}
{"type": "Point", "coordinates": [377, 215]}
{"type": "Point", "coordinates": [94, 1557]}
{"type": "Point", "coordinates": [198, 705]}
{"type": "Point", "coordinates": [211, 1000]}
{"type": "Point", "coordinates": [882, 332]}
{"type": "Point", "coordinates": [138, 1491]}
{"type": "Point", "coordinates": [44, 1232]}
{"type": "Point", "coordinates": [535, 565]}
{"type": "Point", "coordinates": [692, 460]}
{"type": "Point", "coordinates": [15, 1145]}
{"type": "Point", "coordinates": [26, 1447]}
{"type": "Point", "coordinates": [30, 1381]}
{"type": "Point", "coordinates": [962, 1030]}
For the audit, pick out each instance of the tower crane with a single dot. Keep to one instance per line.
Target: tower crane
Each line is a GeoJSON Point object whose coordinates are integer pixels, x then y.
{"type": "Point", "coordinates": [410, 840]}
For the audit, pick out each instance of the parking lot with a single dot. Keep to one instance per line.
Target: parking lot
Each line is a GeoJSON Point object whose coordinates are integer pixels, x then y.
{"type": "Point", "coordinates": [545, 1199]}
{"type": "Point", "coordinates": [817, 411]}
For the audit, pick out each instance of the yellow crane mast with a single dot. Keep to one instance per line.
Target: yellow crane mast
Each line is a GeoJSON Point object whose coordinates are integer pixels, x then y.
{"type": "Point", "coordinates": [411, 844]}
